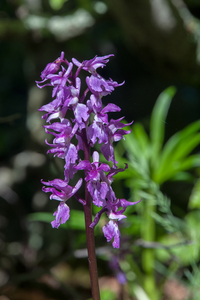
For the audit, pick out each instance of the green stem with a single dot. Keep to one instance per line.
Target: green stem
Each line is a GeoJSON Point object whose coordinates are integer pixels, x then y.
{"type": "Point", "coordinates": [90, 234]}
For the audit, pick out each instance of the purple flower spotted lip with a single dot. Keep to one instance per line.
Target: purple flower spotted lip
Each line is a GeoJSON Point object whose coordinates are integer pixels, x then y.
{"type": "Point", "coordinates": [89, 124]}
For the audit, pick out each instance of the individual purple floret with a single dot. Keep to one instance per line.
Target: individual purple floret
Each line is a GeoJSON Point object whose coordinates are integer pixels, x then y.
{"type": "Point", "coordinates": [65, 193]}
{"type": "Point", "coordinates": [52, 68]}
{"type": "Point", "coordinates": [78, 121]}
{"type": "Point", "coordinates": [61, 215]}
{"type": "Point", "coordinates": [96, 186]}
{"type": "Point", "coordinates": [92, 64]}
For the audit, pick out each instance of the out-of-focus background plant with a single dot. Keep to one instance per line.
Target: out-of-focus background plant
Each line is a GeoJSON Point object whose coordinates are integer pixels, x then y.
{"type": "Point", "coordinates": [156, 45]}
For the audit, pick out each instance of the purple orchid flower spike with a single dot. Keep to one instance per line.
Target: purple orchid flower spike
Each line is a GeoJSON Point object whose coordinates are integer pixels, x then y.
{"type": "Point", "coordinates": [78, 121]}
{"type": "Point", "coordinates": [88, 125]}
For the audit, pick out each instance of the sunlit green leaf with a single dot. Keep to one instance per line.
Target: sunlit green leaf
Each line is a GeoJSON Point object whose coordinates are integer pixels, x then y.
{"type": "Point", "coordinates": [56, 4]}
{"type": "Point", "coordinates": [157, 123]}
{"type": "Point", "coordinates": [178, 166]}
{"type": "Point", "coordinates": [132, 146]}
{"type": "Point", "coordinates": [194, 201]}
{"type": "Point", "coordinates": [137, 147]}
{"type": "Point", "coordinates": [141, 136]}
{"type": "Point", "coordinates": [178, 146]}
{"type": "Point", "coordinates": [183, 176]}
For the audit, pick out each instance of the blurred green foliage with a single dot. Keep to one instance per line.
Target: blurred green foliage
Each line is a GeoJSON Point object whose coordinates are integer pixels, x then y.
{"type": "Point", "coordinates": [150, 165]}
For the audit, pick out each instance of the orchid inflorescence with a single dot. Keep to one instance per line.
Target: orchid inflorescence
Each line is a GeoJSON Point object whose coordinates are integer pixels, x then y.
{"type": "Point", "coordinates": [89, 125]}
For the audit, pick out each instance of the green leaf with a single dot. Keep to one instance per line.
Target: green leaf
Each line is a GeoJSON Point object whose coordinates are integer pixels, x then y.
{"type": "Point", "coordinates": [138, 149]}
{"type": "Point", "coordinates": [132, 146]}
{"type": "Point", "coordinates": [176, 149]}
{"type": "Point", "coordinates": [194, 201]}
{"type": "Point", "coordinates": [178, 166]}
{"type": "Point", "coordinates": [183, 176]}
{"type": "Point", "coordinates": [157, 122]}
{"type": "Point", "coordinates": [185, 147]}
{"type": "Point", "coordinates": [180, 139]}
{"type": "Point", "coordinates": [141, 137]}
{"type": "Point", "coordinates": [183, 252]}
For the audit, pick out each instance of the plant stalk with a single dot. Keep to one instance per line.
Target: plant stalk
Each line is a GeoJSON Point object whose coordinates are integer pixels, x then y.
{"type": "Point", "coordinates": [90, 233]}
